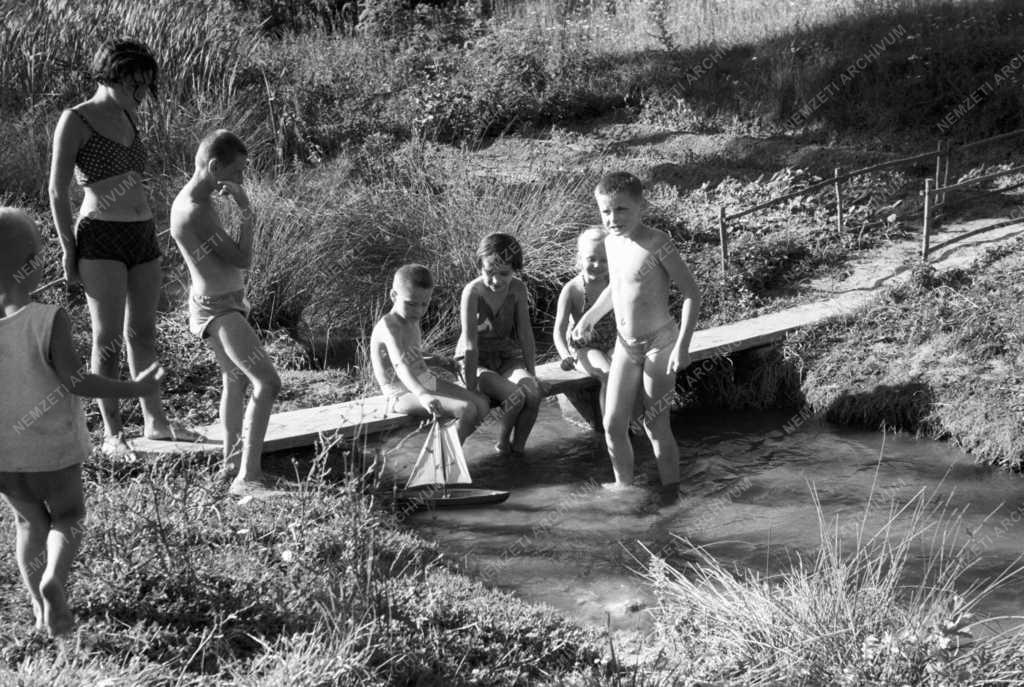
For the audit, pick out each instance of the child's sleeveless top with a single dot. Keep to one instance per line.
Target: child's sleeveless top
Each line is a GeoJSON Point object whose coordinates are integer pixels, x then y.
{"type": "Point", "coordinates": [42, 426]}
{"type": "Point", "coordinates": [604, 333]}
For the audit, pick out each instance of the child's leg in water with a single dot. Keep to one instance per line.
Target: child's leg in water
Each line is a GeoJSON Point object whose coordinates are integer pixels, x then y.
{"type": "Point", "coordinates": [624, 378]}
{"type": "Point", "coordinates": [529, 388]}
{"type": "Point", "coordinates": [659, 388]}
{"type": "Point", "coordinates": [512, 399]}
{"type": "Point", "coordinates": [235, 344]}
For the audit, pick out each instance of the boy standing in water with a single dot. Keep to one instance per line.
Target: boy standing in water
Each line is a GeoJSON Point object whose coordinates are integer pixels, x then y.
{"type": "Point", "coordinates": [43, 438]}
{"type": "Point", "coordinates": [217, 305]}
{"type": "Point", "coordinates": [650, 347]}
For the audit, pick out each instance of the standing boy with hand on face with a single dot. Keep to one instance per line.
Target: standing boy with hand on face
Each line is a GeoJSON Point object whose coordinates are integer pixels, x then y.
{"type": "Point", "coordinates": [217, 305]}
{"type": "Point", "coordinates": [651, 348]}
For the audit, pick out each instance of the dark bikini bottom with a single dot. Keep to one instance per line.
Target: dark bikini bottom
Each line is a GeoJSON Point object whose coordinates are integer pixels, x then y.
{"type": "Point", "coordinates": [132, 243]}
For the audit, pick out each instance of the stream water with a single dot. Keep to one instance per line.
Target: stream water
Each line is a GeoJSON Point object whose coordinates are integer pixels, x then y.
{"type": "Point", "coordinates": [562, 540]}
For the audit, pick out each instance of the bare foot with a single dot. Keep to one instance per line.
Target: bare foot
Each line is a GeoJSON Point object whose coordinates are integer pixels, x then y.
{"type": "Point", "coordinates": [225, 473]}
{"type": "Point", "coordinates": [57, 618]}
{"type": "Point", "coordinates": [503, 449]}
{"type": "Point", "coordinates": [174, 433]}
{"type": "Point", "coordinates": [669, 494]}
{"type": "Point", "coordinates": [37, 611]}
{"type": "Point", "coordinates": [253, 490]}
{"type": "Point", "coordinates": [116, 448]}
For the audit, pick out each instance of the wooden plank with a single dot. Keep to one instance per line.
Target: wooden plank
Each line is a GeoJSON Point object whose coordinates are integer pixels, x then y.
{"type": "Point", "coordinates": [558, 381]}
{"type": "Point", "coordinates": [298, 428]}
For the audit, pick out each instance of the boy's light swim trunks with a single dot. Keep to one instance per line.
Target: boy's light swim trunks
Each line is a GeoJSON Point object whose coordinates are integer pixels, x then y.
{"type": "Point", "coordinates": [640, 349]}
{"type": "Point", "coordinates": [202, 310]}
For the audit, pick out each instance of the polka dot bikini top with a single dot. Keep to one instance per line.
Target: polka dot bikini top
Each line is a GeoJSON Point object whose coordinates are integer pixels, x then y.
{"type": "Point", "coordinates": [101, 158]}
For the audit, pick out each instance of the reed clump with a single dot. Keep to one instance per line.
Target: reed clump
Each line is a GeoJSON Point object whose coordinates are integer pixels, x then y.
{"type": "Point", "coordinates": [881, 602]}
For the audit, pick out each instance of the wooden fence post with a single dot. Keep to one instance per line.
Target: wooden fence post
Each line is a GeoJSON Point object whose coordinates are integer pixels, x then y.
{"type": "Point", "coordinates": [945, 170]}
{"type": "Point", "coordinates": [940, 155]}
{"type": "Point", "coordinates": [839, 203]}
{"type": "Point", "coordinates": [927, 218]}
{"type": "Point", "coordinates": [723, 237]}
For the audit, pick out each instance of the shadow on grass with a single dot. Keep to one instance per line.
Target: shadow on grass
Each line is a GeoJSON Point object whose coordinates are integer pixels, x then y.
{"type": "Point", "coordinates": [885, 71]}
{"type": "Point", "coordinates": [901, 407]}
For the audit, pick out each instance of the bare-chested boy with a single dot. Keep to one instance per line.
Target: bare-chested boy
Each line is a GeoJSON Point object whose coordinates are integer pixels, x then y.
{"type": "Point", "coordinates": [651, 348]}
{"type": "Point", "coordinates": [396, 353]}
{"type": "Point", "coordinates": [217, 305]}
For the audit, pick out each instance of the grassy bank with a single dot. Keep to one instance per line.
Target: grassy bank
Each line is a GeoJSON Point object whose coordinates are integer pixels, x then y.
{"type": "Point", "coordinates": [939, 357]}
{"type": "Point", "coordinates": [176, 586]}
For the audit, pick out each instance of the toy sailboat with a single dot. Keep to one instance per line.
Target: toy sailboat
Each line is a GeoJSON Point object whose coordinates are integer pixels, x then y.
{"type": "Point", "coordinates": [440, 464]}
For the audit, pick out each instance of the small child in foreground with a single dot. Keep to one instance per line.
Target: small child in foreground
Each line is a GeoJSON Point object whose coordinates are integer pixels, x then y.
{"type": "Point", "coordinates": [218, 309]}
{"type": "Point", "coordinates": [497, 347]}
{"type": "Point", "coordinates": [396, 353]}
{"type": "Point", "coordinates": [591, 354]}
{"type": "Point", "coordinates": [43, 438]}
{"type": "Point", "coordinates": [651, 348]}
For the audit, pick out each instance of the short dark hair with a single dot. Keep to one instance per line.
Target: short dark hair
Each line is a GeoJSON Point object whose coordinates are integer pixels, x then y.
{"type": "Point", "coordinates": [118, 59]}
{"type": "Point", "coordinates": [415, 275]}
{"type": "Point", "coordinates": [221, 145]}
{"type": "Point", "coordinates": [504, 247]}
{"type": "Point", "coordinates": [616, 182]}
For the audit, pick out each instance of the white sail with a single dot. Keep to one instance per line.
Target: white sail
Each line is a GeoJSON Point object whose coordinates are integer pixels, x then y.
{"type": "Point", "coordinates": [441, 460]}
{"type": "Point", "coordinates": [456, 471]}
{"type": "Point", "coordinates": [427, 469]}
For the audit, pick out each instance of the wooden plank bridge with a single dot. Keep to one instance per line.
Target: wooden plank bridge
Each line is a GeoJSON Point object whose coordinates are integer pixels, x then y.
{"type": "Point", "coordinates": [367, 416]}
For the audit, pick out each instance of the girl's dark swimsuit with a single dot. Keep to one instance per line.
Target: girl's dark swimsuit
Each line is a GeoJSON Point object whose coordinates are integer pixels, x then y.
{"type": "Point", "coordinates": [603, 335]}
{"type": "Point", "coordinates": [132, 243]}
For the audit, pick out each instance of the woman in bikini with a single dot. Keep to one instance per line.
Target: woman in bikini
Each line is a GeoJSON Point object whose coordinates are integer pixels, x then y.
{"type": "Point", "coordinates": [113, 250]}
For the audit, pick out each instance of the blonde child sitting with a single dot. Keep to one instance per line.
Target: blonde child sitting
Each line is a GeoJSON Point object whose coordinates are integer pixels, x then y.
{"type": "Point", "coordinates": [396, 353]}
{"type": "Point", "coordinates": [591, 354]}
{"type": "Point", "coordinates": [43, 439]}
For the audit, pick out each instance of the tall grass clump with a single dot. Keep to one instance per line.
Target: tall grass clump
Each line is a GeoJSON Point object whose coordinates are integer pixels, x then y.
{"type": "Point", "coordinates": [203, 48]}
{"type": "Point", "coordinates": [882, 602]}
{"type": "Point", "coordinates": [415, 206]}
